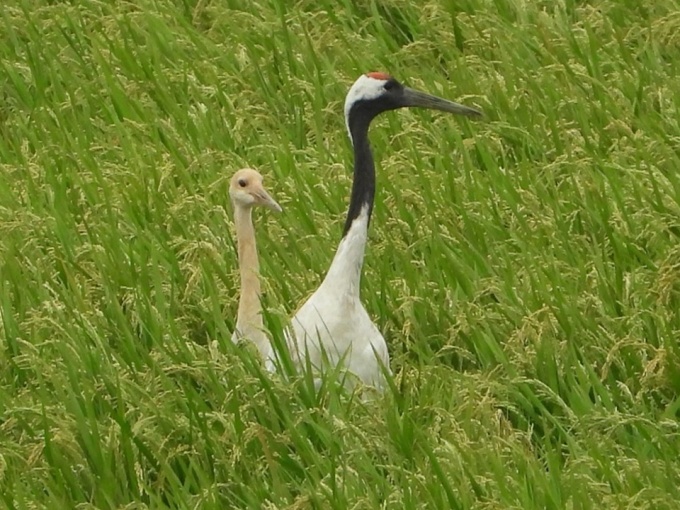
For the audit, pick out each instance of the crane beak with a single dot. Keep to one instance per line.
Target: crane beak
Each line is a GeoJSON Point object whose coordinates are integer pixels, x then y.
{"type": "Point", "coordinates": [416, 98]}
{"type": "Point", "coordinates": [264, 199]}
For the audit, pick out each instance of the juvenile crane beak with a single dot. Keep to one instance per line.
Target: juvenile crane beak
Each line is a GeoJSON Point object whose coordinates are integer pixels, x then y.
{"type": "Point", "coordinates": [263, 198]}
{"type": "Point", "coordinates": [412, 97]}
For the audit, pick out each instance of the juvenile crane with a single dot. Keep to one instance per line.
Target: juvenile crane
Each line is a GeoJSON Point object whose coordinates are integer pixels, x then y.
{"type": "Point", "coordinates": [246, 191]}
{"type": "Point", "coordinates": [332, 326]}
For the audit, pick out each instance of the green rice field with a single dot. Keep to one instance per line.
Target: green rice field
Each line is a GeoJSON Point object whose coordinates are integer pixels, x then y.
{"type": "Point", "coordinates": [524, 269]}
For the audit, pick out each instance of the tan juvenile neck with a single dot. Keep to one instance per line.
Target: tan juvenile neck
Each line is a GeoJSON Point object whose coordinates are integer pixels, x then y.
{"type": "Point", "coordinates": [249, 319]}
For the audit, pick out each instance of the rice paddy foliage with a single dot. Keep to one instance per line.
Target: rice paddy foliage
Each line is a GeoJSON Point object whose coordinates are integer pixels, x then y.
{"type": "Point", "coordinates": [525, 270]}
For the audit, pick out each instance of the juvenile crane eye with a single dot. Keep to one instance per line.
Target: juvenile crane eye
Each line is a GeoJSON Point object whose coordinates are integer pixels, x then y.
{"type": "Point", "coordinates": [242, 183]}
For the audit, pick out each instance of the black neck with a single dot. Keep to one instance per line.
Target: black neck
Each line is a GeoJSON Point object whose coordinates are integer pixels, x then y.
{"type": "Point", "coordinates": [363, 184]}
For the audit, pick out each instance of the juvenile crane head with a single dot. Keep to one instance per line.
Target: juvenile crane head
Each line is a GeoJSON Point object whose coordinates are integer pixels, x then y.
{"type": "Point", "coordinates": [375, 93]}
{"type": "Point", "coordinates": [246, 190]}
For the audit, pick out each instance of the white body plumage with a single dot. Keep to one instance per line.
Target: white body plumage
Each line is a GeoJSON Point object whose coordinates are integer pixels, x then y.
{"type": "Point", "coordinates": [332, 327]}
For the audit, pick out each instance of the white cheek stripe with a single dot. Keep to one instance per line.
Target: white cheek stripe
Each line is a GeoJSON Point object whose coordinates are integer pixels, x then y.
{"type": "Point", "coordinates": [364, 89]}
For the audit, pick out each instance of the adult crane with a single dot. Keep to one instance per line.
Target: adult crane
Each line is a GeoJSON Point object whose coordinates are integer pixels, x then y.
{"type": "Point", "coordinates": [332, 326]}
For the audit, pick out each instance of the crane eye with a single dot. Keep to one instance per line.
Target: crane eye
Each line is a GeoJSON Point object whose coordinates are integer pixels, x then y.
{"type": "Point", "coordinates": [389, 85]}
{"type": "Point", "coordinates": [242, 183]}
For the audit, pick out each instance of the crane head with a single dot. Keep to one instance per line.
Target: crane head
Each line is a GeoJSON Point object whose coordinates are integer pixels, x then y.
{"type": "Point", "coordinates": [246, 190]}
{"type": "Point", "coordinates": [374, 93]}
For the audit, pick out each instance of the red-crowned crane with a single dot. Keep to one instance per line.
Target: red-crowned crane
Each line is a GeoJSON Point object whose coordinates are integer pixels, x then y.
{"type": "Point", "coordinates": [246, 191]}
{"type": "Point", "coordinates": [332, 326]}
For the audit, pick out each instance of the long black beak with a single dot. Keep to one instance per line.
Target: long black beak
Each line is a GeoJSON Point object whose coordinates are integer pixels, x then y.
{"type": "Point", "coordinates": [412, 97]}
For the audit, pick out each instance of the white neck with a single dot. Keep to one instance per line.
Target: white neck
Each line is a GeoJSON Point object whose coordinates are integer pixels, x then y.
{"type": "Point", "coordinates": [344, 276]}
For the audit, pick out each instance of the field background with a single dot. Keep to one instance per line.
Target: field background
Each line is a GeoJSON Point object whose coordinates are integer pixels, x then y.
{"type": "Point", "coordinates": [525, 269]}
